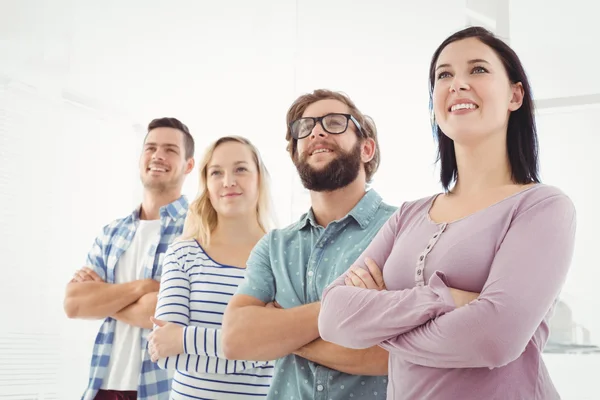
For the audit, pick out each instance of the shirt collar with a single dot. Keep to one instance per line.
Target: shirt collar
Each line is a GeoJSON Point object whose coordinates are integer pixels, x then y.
{"type": "Point", "coordinates": [174, 210]}
{"type": "Point", "coordinates": [363, 212]}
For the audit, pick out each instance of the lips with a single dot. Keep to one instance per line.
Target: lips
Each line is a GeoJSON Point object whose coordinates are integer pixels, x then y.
{"type": "Point", "coordinates": [462, 104]}
{"type": "Point", "coordinates": [158, 168]}
{"type": "Point", "coordinates": [321, 151]}
{"type": "Point", "coordinates": [231, 195]}
{"type": "Point", "coordinates": [320, 148]}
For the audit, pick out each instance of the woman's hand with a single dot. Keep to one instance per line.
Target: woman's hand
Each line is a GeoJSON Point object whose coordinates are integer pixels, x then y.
{"type": "Point", "coordinates": [372, 278]}
{"type": "Point", "coordinates": [166, 340]}
{"type": "Point", "coordinates": [461, 297]}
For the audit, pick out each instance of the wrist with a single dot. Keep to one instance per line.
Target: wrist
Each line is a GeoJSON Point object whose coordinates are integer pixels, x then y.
{"type": "Point", "coordinates": [141, 287]}
{"type": "Point", "coordinates": [181, 336]}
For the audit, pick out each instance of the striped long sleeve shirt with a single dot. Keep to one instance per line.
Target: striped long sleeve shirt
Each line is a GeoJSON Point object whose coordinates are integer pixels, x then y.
{"type": "Point", "coordinates": [194, 292]}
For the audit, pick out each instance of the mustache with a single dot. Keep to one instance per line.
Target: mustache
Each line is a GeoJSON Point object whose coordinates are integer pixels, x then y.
{"type": "Point", "coordinates": [331, 146]}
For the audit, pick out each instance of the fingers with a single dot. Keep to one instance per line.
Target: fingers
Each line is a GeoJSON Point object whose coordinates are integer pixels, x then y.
{"type": "Point", "coordinates": [455, 293]}
{"type": "Point", "coordinates": [376, 273]}
{"type": "Point", "coordinates": [353, 279]}
{"type": "Point", "coordinates": [153, 353]}
{"type": "Point", "coordinates": [86, 274]}
{"type": "Point", "coordinates": [366, 277]}
{"type": "Point", "coordinates": [371, 278]}
{"type": "Point", "coordinates": [153, 347]}
{"type": "Point", "coordinates": [462, 298]}
{"type": "Point", "coordinates": [95, 277]}
{"type": "Point", "coordinates": [81, 276]}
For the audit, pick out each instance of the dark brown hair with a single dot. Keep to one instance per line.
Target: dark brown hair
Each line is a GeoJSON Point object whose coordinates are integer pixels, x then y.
{"type": "Point", "coordinates": [169, 122]}
{"type": "Point", "coordinates": [521, 138]}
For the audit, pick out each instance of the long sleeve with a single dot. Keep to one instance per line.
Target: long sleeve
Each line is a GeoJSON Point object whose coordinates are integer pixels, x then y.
{"type": "Point", "coordinates": [202, 346]}
{"type": "Point", "coordinates": [361, 318]}
{"type": "Point", "coordinates": [526, 276]}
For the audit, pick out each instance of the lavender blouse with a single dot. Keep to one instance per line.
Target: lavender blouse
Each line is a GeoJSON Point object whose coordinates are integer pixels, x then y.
{"type": "Point", "coordinates": [516, 253]}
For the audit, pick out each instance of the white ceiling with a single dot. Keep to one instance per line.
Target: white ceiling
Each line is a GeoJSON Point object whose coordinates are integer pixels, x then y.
{"type": "Point", "coordinates": [140, 58]}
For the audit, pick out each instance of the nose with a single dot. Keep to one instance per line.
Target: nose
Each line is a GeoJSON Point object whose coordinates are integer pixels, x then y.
{"type": "Point", "coordinates": [318, 131]}
{"type": "Point", "coordinates": [159, 154]}
{"type": "Point", "coordinates": [229, 180]}
{"type": "Point", "coordinates": [459, 84]}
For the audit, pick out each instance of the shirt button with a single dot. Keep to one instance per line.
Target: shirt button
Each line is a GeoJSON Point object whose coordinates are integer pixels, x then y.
{"type": "Point", "coordinates": [310, 273]}
{"type": "Point", "coordinates": [419, 272]}
{"type": "Point", "coordinates": [320, 388]}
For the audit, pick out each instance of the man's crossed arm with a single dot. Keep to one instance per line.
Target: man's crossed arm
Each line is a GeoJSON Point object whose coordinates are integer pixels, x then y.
{"type": "Point", "coordinates": [255, 330]}
{"type": "Point", "coordinates": [88, 297]}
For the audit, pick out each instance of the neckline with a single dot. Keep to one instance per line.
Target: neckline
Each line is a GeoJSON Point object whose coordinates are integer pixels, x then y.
{"type": "Point", "coordinates": [434, 197]}
{"type": "Point", "coordinates": [149, 221]}
{"type": "Point", "coordinates": [215, 261]}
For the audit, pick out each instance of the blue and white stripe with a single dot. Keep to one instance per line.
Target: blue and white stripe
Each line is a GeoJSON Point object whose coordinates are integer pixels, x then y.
{"type": "Point", "coordinates": [194, 292]}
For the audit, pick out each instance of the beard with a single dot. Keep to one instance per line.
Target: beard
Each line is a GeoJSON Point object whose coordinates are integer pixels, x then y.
{"type": "Point", "coordinates": [338, 173]}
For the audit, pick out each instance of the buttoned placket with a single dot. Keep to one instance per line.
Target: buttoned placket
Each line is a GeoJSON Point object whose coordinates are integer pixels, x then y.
{"type": "Point", "coordinates": [420, 268]}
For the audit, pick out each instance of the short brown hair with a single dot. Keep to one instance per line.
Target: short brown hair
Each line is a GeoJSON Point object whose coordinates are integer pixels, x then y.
{"type": "Point", "coordinates": [169, 122]}
{"type": "Point", "coordinates": [367, 124]}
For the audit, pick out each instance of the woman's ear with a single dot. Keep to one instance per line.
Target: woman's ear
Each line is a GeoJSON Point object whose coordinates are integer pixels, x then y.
{"type": "Point", "coordinates": [516, 100]}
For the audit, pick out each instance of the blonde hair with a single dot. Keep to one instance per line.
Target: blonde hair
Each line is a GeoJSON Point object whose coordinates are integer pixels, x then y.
{"type": "Point", "coordinates": [202, 218]}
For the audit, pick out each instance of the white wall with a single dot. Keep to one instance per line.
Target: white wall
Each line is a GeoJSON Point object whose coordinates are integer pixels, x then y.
{"type": "Point", "coordinates": [560, 62]}
{"type": "Point", "coordinates": [79, 80]}
{"type": "Point", "coordinates": [557, 42]}
{"type": "Point", "coordinates": [569, 143]}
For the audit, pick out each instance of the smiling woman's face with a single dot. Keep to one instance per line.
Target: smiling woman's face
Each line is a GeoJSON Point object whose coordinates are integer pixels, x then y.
{"type": "Point", "coordinates": [472, 95]}
{"type": "Point", "coordinates": [232, 179]}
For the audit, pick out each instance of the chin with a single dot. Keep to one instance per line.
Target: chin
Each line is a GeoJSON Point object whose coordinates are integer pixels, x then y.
{"type": "Point", "coordinates": [229, 210]}
{"type": "Point", "coordinates": [462, 134]}
{"type": "Point", "coordinates": [318, 165]}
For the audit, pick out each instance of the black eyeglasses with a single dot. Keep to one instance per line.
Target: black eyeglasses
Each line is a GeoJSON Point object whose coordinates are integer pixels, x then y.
{"type": "Point", "coordinates": [333, 123]}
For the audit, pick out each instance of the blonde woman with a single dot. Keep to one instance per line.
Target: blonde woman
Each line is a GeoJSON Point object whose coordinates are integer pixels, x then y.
{"type": "Point", "coordinates": [201, 273]}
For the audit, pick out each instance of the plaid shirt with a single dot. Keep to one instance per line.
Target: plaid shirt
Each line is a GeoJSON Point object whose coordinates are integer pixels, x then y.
{"type": "Point", "coordinates": [154, 383]}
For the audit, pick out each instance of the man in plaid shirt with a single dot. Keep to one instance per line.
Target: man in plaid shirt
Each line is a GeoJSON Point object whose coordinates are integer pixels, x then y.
{"type": "Point", "coordinates": [120, 282]}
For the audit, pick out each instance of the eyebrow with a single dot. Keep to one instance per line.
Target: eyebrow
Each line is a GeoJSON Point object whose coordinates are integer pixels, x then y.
{"type": "Point", "coordinates": [165, 145]}
{"type": "Point", "coordinates": [474, 61]}
{"type": "Point", "coordinates": [236, 163]}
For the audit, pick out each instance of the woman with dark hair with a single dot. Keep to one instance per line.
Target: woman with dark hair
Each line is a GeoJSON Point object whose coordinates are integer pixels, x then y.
{"type": "Point", "coordinates": [468, 277]}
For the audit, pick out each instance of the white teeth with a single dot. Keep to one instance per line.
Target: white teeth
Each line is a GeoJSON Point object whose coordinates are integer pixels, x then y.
{"type": "Point", "coordinates": [321, 151]}
{"type": "Point", "coordinates": [463, 106]}
{"type": "Point", "coordinates": [158, 169]}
